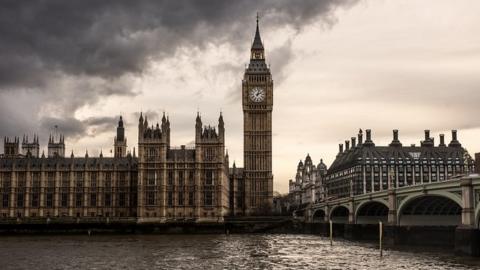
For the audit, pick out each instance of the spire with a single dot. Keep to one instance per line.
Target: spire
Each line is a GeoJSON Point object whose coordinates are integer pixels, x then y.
{"type": "Point", "coordinates": [101, 153]}
{"type": "Point", "coordinates": [141, 118]}
{"type": "Point", "coordinates": [257, 41]}
{"type": "Point", "coordinates": [120, 122]}
{"type": "Point", "coordinates": [198, 120]}
{"type": "Point", "coordinates": [220, 121]}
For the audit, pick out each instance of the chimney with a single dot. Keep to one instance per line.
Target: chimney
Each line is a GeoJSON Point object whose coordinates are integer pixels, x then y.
{"type": "Point", "coordinates": [454, 142]}
{"type": "Point", "coordinates": [442, 140]}
{"type": "Point", "coordinates": [427, 134]}
{"type": "Point", "coordinates": [428, 141]}
{"type": "Point", "coordinates": [395, 141]}
{"type": "Point", "coordinates": [340, 148]}
{"type": "Point", "coordinates": [368, 140]}
{"type": "Point", "coordinates": [347, 145]}
{"type": "Point", "coordinates": [353, 142]}
{"type": "Point", "coordinates": [360, 137]}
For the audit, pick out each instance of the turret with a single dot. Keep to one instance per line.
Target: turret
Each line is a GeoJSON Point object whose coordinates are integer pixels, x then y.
{"type": "Point", "coordinates": [56, 148]}
{"type": "Point", "coordinates": [167, 131]}
{"type": "Point", "coordinates": [30, 148]}
{"type": "Point", "coordinates": [221, 127]}
{"type": "Point", "coordinates": [198, 127]}
{"type": "Point", "coordinates": [120, 142]}
{"type": "Point", "coordinates": [11, 147]}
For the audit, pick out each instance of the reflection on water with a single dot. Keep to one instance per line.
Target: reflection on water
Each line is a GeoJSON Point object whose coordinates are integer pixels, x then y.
{"type": "Point", "coordinates": [253, 251]}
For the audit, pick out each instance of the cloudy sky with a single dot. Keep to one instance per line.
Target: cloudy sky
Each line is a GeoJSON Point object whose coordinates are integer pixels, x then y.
{"type": "Point", "coordinates": [337, 65]}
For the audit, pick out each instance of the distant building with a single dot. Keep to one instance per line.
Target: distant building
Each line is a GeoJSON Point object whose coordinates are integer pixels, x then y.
{"type": "Point", "coordinates": [477, 163]}
{"type": "Point", "coordinates": [308, 186]}
{"type": "Point", "coordinates": [30, 148]}
{"type": "Point", "coordinates": [364, 167]}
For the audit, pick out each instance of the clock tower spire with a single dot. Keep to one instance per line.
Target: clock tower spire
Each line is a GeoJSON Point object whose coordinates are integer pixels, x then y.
{"type": "Point", "coordinates": [257, 101]}
{"type": "Point", "coordinates": [257, 51]}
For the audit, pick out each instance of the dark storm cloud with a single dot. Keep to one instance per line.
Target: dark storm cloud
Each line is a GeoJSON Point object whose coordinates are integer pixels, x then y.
{"type": "Point", "coordinates": [112, 38]}
{"type": "Point", "coordinates": [72, 53]}
{"type": "Point", "coordinates": [72, 127]}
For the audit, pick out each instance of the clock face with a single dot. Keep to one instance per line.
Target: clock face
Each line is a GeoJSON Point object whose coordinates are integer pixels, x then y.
{"type": "Point", "coordinates": [257, 94]}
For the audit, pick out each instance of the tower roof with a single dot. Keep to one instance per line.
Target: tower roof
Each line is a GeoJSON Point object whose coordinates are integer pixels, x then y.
{"type": "Point", "coordinates": [257, 41]}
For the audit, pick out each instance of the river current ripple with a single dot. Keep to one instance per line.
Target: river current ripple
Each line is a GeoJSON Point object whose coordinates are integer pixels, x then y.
{"type": "Point", "coordinates": [251, 251]}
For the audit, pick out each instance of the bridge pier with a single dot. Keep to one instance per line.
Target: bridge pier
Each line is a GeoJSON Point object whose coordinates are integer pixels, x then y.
{"type": "Point", "coordinates": [392, 208]}
{"type": "Point", "coordinates": [351, 230]}
{"type": "Point", "coordinates": [467, 237]}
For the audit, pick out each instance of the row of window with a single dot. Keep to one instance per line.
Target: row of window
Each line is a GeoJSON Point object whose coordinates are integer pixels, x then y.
{"type": "Point", "coordinates": [79, 179]}
{"type": "Point", "coordinates": [79, 200]}
{"type": "Point", "coordinates": [181, 199]}
{"type": "Point", "coordinates": [153, 177]}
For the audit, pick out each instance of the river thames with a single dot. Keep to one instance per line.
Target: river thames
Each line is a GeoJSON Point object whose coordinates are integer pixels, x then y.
{"type": "Point", "coordinates": [251, 251]}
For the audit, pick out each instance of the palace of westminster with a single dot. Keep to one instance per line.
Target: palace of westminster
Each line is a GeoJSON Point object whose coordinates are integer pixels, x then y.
{"type": "Point", "coordinates": [163, 183]}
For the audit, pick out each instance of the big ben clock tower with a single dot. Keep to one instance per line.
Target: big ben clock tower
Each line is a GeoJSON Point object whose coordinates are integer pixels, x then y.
{"type": "Point", "coordinates": [257, 101]}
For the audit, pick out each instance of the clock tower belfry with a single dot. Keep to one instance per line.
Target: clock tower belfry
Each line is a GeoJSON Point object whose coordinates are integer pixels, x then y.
{"type": "Point", "coordinates": [257, 101]}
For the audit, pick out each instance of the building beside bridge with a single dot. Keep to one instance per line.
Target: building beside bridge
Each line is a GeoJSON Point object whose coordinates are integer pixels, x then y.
{"type": "Point", "coordinates": [309, 186]}
{"type": "Point", "coordinates": [424, 195]}
{"type": "Point", "coordinates": [363, 167]}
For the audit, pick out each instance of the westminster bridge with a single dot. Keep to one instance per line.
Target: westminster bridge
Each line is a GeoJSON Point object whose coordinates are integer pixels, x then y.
{"type": "Point", "coordinates": [446, 212]}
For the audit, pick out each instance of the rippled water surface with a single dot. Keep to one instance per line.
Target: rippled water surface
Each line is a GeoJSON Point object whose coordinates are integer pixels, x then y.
{"type": "Point", "coordinates": [211, 252]}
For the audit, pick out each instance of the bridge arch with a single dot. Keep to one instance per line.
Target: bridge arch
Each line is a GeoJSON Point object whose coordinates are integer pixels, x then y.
{"type": "Point", "coordinates": [339, 214]}
{"type": "Point", "coordinates": [371, 212]}
{"type": "Point", "coordinates": [319, 215]}
{"type": "Point", "coordinates": [432, 209]}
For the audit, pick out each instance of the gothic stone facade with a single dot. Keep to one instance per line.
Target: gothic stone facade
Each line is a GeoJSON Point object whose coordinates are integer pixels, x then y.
{"type": "Point", "coordinates": [308, 186]}
{"type": "Point", "coordinates": [182, 183]}
{"type": "Point", "coordinates": [253, 184]}
{"type": "Point", "coordinates": [163, 183]}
